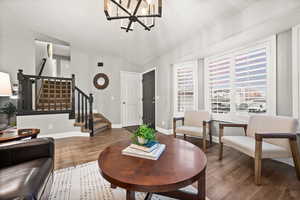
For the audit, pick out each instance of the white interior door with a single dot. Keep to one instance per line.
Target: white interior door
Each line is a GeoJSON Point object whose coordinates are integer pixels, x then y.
{"type": "Point", "coordinates": [130, 98]}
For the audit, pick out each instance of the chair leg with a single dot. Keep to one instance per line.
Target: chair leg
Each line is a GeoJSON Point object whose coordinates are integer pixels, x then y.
{"type": "Point", "coordinates": [221, 151]}
{"type": "Point", "coordinates": [258, 152]}
{"type": "Point", "coordinates": [296, 156]}
{"type": "Point", "coordinates": [204, 144]}
{"type": "Point", "coordinates": [221, 133]}
{"type": "Point", "coordinates": [257, 171]}
{"type": "Point", "coordinates": [174, 133]}
{"type": "Point", "coordinates": [204, 139]}
{"type": "Point", "coordinates": [184, 136]}
{"type": "Point", "coordinates": [210, 133]}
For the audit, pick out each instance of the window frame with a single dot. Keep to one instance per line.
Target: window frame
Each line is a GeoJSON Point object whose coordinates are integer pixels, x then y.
{"type": "Point", "coordinates": [296, 70]}
{"type": "Point", "coordinates": [175, 88]}
{"type": "Point", "coordinates": [233, 115]}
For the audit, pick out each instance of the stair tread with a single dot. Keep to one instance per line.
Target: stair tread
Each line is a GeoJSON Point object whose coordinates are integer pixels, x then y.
{"type": "Point", "coordinates": [96, 127]}
{"type": "Point", "coordinates": [100, 125]}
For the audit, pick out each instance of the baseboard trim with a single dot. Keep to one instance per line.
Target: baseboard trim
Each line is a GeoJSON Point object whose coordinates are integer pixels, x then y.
{"type": "Point", "coordinates": [164, 131]}
{"type": "Point", "coordinates": [116, 126]}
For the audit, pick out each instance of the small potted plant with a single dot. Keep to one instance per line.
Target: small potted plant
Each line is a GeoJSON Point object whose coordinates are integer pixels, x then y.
{"type": "Point", "coordinates": [9, 109]}
{"type": "Point", "coordinates": [144, 134]}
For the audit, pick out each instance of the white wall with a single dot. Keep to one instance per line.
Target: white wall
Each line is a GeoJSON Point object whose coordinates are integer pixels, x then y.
{"type": "Point", "coordinates": [17, 51]}
{"type": "Point", "coordinates": [84, 66]}
{"type": "Point", "coordinates": [251, 25]}
{"type": "Point", "coordinates": [48, 124]}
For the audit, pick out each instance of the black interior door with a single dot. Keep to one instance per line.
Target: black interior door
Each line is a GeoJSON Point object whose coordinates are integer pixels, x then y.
{"type": "Point", "coordinates": [149, 98]}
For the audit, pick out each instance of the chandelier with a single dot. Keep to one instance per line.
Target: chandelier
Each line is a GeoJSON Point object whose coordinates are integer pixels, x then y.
{"type": "Point", "coordinates": [142, 12]}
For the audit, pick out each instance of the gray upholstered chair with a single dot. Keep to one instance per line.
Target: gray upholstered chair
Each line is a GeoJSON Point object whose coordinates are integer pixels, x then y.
{"type": "Point", "coordinates": [265, 137]}
{"type": "Point", "coordinates": [194, 123]}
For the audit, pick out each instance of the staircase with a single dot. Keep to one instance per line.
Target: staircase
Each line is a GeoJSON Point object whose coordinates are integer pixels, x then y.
{"type": "Point", "coordinates": [100, 124]}
{"type": "Point", "coordinates": [54, 95]}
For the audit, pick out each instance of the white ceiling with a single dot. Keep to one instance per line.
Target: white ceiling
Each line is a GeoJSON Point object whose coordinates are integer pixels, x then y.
{"type": "Point", "coordinates": [83, 23]}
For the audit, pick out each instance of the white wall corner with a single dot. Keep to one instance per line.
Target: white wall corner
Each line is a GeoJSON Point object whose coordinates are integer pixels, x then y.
{"type": "Point", "coordinates": [295, 69]}
{"type": "Point", "coordinates": [116, 126]}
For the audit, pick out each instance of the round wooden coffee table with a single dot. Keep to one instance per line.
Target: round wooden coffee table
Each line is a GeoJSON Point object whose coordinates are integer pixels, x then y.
{"type": "Point", "coordinates": [181, 164]}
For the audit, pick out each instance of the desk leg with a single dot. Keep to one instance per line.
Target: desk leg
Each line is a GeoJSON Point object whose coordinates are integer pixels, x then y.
{"type": "Point", "coordinates": [130, 195]}
{"type": "Point", "coordinates": [202, 186]}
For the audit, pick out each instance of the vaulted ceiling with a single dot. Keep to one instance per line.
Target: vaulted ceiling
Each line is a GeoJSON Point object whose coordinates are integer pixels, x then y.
{"type": "Point", "coordinates": [83, 23]}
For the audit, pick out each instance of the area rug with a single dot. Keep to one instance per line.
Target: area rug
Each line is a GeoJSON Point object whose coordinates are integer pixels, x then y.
{"type": "Point", "coordinates": [84, 182]}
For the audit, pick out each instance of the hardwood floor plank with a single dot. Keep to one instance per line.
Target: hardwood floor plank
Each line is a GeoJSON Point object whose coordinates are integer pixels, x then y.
{"type": "Point", "coordinates": [229, 179]}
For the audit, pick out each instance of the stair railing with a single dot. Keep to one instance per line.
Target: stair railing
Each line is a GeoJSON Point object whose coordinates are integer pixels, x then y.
{"type": "Point", "coordinates": [44, 60]}
{"type": "Point", "coordinates": [31, 99]}
{"type": "Point", "coordinates": [84, 110]}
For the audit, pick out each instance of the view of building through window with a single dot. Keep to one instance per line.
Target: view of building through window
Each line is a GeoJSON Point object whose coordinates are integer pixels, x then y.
{"type": "Point", "coordinates": [219, 85]}
{"type": "Point", "coordinates": [237, 82]}
{"type": "Point", "coordinates": [251, 81]}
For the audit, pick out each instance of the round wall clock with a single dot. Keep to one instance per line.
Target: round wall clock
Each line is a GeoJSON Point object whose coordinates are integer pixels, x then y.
{"type": "Point", "coordinates": [101, 81]}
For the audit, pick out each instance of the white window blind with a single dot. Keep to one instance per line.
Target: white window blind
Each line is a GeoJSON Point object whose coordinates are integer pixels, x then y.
{"type": "Point", "coordinates": [251, 81]}
{"type": "Point", "coordinates": [185, 87]}
{"type": "Point", "coordinates": [242, 82]}
{"type": "Point", "coordinates": [219, 85]}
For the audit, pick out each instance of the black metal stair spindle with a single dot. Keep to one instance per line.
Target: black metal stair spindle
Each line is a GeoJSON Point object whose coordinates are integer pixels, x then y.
{"type": "Point", "coordinates": [86, 114]}
{"type": "Point", "coordinates": [82, 109]}
{"type": "Point", "coordinates": [78, 108]}
{"type": "Point", "coordinates": [91, 115]}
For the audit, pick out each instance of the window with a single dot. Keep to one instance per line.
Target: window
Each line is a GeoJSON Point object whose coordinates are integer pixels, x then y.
{"type": "Point", "coordinates": [219, 85]}
{"type": "Point", "coordinates": [242, 82]}
{"type": "Point", "coordinates": [185, 88]}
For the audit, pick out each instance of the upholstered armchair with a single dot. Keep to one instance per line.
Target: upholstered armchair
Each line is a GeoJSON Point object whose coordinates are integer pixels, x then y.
{"type": "Point", "coordinates": [265, 137]}
{"type": "Point", "coordinates": [194, 123]}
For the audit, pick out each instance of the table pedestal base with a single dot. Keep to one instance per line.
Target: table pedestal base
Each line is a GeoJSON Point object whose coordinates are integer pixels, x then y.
{"type": "Point", "coordinates": [178, 194]}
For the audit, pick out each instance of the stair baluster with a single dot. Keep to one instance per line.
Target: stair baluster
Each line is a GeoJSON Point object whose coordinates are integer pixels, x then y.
{"type": "Point", "coordinates": [85, 118]}
{"type": "Point", "coordinates": [86, 114]}
{"type": "Point", "coordinates": [82, 109]}
{"type": "Point", "coordinates": [91, 115]}
{"type": "Point", "coordinates": [78, 107]}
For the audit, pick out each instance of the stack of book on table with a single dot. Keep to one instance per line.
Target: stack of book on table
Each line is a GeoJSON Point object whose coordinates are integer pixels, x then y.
{"type": "Point", "coordinates": [152, 150]}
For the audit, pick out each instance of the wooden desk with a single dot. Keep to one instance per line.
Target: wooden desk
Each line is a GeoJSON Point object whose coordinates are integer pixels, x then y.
{"type": "Point", "coordinates": [18, 134]}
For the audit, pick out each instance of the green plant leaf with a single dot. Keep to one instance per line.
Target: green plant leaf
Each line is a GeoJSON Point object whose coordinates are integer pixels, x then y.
{"type": "Point", "coordinates": [145, 132]}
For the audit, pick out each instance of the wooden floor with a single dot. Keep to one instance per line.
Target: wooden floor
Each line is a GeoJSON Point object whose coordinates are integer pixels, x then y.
{"type": "Point", "coordinates": [230, 179]}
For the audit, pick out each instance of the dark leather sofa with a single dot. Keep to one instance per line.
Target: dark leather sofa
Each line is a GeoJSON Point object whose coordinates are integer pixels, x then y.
{"type": "Point", "coordinates": [26, 169]}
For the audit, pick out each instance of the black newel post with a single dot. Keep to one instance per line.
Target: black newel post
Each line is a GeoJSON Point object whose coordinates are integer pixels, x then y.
{"type": "Point", "coordinates": [20, 92]}
{"type": "Point", "coordinates": [72, 114]}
